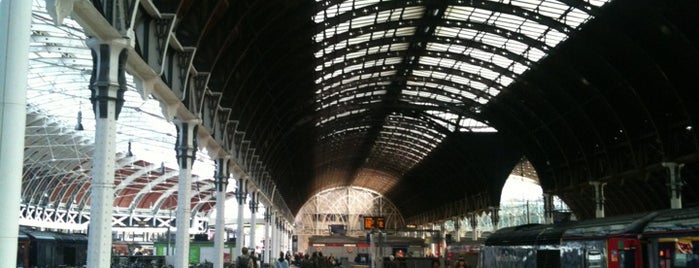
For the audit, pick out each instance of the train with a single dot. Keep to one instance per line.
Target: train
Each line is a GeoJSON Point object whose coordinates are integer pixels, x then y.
{"type": "Point", "coordinates": [467, 250]}
{"type": "Point", "coordinates": [658, 239]}
{"type": "Point", "coordinates": [36, 248]}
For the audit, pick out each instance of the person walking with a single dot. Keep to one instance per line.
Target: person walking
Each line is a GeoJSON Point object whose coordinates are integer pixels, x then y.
{"type": "Point", "coordinates": [244, 260]}
{"type": "Point", "coordinates": [461, 263]}
{"type": "Point", "coordinates": [281, 262]}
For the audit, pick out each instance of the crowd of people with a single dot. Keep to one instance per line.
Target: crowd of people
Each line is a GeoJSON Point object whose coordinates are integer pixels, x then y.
{"type": "Point", "coordinates": [317, 260]}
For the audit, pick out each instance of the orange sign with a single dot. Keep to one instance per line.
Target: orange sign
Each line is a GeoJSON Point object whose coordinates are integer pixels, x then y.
{"type": "Point", "coordinates": [380, 223]}
{"type": "Point", "coordinates": [374, 222]}
{"type": "Point", "coordinates": [368, 223]}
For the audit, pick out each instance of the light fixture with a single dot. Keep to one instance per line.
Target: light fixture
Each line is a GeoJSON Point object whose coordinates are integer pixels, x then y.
{"type": "Point", "coordinates": [129, 153]}
{"type": "Point", "coordinates": [79, 125]}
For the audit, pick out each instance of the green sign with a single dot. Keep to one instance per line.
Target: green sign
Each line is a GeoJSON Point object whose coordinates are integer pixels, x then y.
{"type": "Point", "coordinates": [194, 251]}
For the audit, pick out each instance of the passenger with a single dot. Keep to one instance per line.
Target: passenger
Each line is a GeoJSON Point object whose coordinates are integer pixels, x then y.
{"type": "Point", "coordinates": [331, 261]}
{"type": "Point", "coordinates": [390, 262]}
{"type": "Point", "coordinates": [435, 263]}
{"type": "Point", "coordinates": [254, 260]}
{"type": "Point", "coordinates": [461, 263]}
{"type": "Point", "coordinates": [244, 260]}
{"type": "Point", "coordinates": [281, 262]}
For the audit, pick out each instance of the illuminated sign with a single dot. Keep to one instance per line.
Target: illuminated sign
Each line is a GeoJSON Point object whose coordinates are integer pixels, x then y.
{"type": "Point", "coordinates": [380, 223]}
{"type": "Point", "coordinates": [368, 223]}
{"type": "Point", "coordinates": [374, 222]}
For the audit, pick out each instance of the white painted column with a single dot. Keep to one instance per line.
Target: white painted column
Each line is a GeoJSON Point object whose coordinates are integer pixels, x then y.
{"type": "Point", "coordinates": [107, 96]}
{"type": "Point", "coordinates": [287, 238]}
{"type": "Point", "coordinates": [599, 198]}
{"type": "Point", "coordinates": [254, 206]}
{"type": "Point", "coordinates": [221, 185]}
{"type": "Point", "coordinates": [268, 237]}
{"type": "Point", "coordinates": [473, 220]}
{"type": "Point", "coordinates": [186, 148]}
{"type": "Point", "coordinates": [548, 208]}
{"type": "Point", "coordinates": [675, 184]}
{"type": "Point", "coordinates": [280, 234]}
{"type": "Point", "coordinates": [240, 195]}
{"type": "Point", "coordinates": [494, 217]}
{"type": "Point", "coordinates": [15, 18]}
{"type": "Point", "coordinates": [457, 228]}
{"type": "Point", "coordinates": [275, 234]}
{"type": "Point", "coordinates": [283, 237]}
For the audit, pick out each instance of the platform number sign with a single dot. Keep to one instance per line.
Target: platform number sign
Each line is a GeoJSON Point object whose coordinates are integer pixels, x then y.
{"type": "Point", "coordinates": [374, 222]}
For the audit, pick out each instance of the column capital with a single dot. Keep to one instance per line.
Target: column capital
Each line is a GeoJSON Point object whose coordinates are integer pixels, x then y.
{"type": "Point", "coordinates": [241, 191]}
{"type": "Point", "coordinates": [254, 202]}
{"type": "Point", "coordinates": [108, 80]}
{"type": "Point", "coordinates": [222, 173]}
{"type": "Point", "coordinates": [186, 143]}
{"type": "Point", "coordinates": [599, 198]}
{"type": "Point", "coordinates": [59, 9]}
{"type": "Point", "coordinates": [675, 183]}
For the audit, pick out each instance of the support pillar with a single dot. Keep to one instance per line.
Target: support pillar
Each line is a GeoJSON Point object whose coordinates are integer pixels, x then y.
{"type": "Point", "coordinates": [268, 239]}
{"type": "Point", "coordinates": [107, 86]}
{"type": "Point", "coordinates": [240, 195]}
{"type": "Point", "coordinates": [675, 184]}
{"type": "Point", "coordinates": [275, 238]}
{"type": "Point", "coordinates": [599, 198]}
{"type": "Point", "coordinates": [254, 206]}
{"type": "Point", "coordinates": [548, 208]}
{"type": "Point", "coordinates": [278, 235]}
{"type": "Point", "coordinates": [286, 238]}
{"type": "Point", "coordinates": [221, 177]}
{"type": "Point", "coordinates": [457, 229]}
{"type": "Point", "coordinates": [495, 217]}
{"type": "Point", "coordinates": [186, 148]}
{"type": "Point", "coordinates": [15, 18]}
{"type": "Point", "coordinates": [473, 220]}
{"type": "Point", "coordinates": [275, 234]}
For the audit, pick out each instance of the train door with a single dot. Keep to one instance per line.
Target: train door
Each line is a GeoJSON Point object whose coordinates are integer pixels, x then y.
{"type": "Point", "coordinates": [624, 253]}
{"type": "Point", "coordinates": [23, 253]}
{"type": "Point", "coordinates": [548, 258]}
{"type": "Point", "coordinates": [627, 258]}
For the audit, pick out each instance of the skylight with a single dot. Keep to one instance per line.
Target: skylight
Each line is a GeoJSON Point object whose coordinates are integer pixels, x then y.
{"type": "Point", "coordinates": [60, 66]}
{"type": "Point", "coordinates": [444, 60]}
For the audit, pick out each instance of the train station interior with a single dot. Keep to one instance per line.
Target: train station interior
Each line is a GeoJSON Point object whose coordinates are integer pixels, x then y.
{"type": "Point", "coordinates": [448, 118]}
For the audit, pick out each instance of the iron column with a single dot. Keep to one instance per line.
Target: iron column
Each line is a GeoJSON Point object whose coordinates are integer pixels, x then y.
{"type": "Point", "coordinates": [107, 87]}
{"type": "Point", "coordinates": [186, 148]}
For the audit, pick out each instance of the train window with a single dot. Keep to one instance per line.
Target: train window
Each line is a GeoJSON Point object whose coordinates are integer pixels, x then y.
{"type": "Point", "coordinates": [594, 258]}
{"type": "Point", "coordinates": [680, 260]}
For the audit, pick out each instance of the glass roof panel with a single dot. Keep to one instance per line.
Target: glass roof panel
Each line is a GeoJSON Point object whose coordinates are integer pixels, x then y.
{"type": "Point", "coordinates": [597, 2]}
{"type": "Point", "coordinates": [60, 67]}
{"type": "Point", "coordinates": [466, 56]}
{"type": "Point", "coordinates": [406, 13]}
{"type": "Point", "coordinates": [340, 115]}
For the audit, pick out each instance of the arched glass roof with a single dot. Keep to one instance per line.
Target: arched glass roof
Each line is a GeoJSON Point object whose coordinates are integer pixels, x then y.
{"type": "Point", "coordinates": [58, 156]}
{"type": "Point", "coordinates": [346, 206]}
{"type": "Point", "coordinates": [402, 75]}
